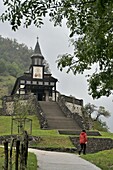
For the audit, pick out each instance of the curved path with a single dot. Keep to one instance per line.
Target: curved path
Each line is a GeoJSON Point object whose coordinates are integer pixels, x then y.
{"type": "Point", "coordinates": [61, 161]}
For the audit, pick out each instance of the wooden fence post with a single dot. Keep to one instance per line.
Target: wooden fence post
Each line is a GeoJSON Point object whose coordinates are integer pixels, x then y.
{"type": "Point", "coordinates": [22, 164]}
{"type": "Point", "coordinates": [10, 158]}
{"type": "Point", "coordinates": [26, 147]}
{"type": "Point", "coordinates": [17, 154]}
{"type": "Point", "coordinates": [6, 155]}
{"type": "Point", "coordinates": [24, 151]}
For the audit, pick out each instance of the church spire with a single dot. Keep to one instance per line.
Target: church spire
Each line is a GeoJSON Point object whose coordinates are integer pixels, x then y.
{"type": "Point", "coordinates": [37, 49]}
{"type": "Point", "coordinates": [37, 58]}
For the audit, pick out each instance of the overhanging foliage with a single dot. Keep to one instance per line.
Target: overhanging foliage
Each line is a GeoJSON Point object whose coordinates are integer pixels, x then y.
{"type": "Point", "coordinates": [91, 31]}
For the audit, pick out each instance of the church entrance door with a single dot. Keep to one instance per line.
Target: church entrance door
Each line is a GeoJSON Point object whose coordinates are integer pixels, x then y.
{"type": "Point", "coordinates": [41, 96]}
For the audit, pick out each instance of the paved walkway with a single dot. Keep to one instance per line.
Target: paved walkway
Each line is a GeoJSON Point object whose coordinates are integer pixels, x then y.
{"type": "Point", "coordinates": [61, 161]}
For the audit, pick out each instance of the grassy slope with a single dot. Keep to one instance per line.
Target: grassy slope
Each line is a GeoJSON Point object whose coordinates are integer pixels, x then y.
{"type": "Point", "coordinates": [103, 159]}
{"type": "Point", "coordinates": [51, 138]}
{"type": "Point", "coordinates": [32, 162]}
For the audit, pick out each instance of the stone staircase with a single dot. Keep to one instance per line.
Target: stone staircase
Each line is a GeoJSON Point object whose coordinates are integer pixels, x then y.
{"type": "Point", "coordinates": [56, 118]}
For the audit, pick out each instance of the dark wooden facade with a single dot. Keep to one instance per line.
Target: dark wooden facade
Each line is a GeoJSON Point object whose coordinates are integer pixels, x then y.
{"type": "Point", "coordinates": [36, 80]}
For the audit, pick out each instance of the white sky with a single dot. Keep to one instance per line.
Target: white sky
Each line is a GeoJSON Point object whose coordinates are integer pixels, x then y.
{"type": "Point", "coordinates": [54, 41]}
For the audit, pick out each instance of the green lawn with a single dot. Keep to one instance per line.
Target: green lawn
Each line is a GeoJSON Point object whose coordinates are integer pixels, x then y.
{"type": "Point", "coordinates": [1, 158]}
{"type": "Point", "coordinates": [52, 139]}
{"type": "Point", "coordinates": [5, 125]}
{"type": "Point", "coordinates": [32, 162]}
{"type": "Point", "coordinates": [103, 159]}
{"type": "Point", "coordinates": [49, 138]}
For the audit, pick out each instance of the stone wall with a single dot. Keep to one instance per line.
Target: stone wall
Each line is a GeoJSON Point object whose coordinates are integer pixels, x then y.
{"type": "Point", "coordinates": [94, 144]}
{"type": "Point", "coordinates": [8, 103]}
{"type": "Point", "coordinates": [77, 132]}
{"type": "Point", "coordinates": [74, 108]}
{"type": "Point", "coordinates": [73, 100]}
{"type": "Point", "coordinates": [66, 106]}
{"type": "Point", "coordinates": [41, 117]}
{"type": "Point", "coordinates": [32, 139]}
{"type": "Point", "coordinates": [61, 102]}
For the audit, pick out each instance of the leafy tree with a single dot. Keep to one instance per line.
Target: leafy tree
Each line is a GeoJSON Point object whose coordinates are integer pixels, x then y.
{"type": "Point", "coordinates": [14, 57]}
{"type": "Point", "coordinates": [102, 112]}
{"type": "Point", "coordinates": [88, 109]}
{"type": "Point", "coordinates": [14, 69]}
{"type": "Point", "coordinates": [91, 31]}
{"type": "Point", "coordinates": [100, 125]}
{"type": "Point", "coordinates": [92, 114]}
{"type": "Point", "coordinates": [87, 112]}
{"type": "Point", "coordinates": [2, 66]}
{"type": "Point", "coordinates": [22, 108]}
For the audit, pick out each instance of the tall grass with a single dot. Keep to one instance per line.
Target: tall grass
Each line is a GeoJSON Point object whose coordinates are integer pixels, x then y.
{"type": "Point", "coordinates": [31, 165]}
{"type": "Point", "coordinates": [103, 159]}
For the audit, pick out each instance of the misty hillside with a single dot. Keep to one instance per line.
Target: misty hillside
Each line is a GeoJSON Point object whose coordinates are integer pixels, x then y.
{"type": "Point", "coordinates": [14, 60]}
{"type": "Point", "coordinates": [14, 57]}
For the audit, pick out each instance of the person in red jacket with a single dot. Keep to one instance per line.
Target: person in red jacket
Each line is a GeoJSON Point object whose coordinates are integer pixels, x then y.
{"type": "Point", "coordinates": [83, 142]}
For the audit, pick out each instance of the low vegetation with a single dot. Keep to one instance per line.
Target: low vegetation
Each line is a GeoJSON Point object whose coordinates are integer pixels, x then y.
{"type": "Point", "coordinates": [103, 159]}
{"type": "Point", "coordinates": [32, 162]}
{"type": "Point", "coordinates": [49, 138]}
{"type": "Point", "coordinates": [52, 139]}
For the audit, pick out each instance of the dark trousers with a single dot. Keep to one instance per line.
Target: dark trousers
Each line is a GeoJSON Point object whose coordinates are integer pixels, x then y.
{"type": "Point", "coordinates": [83, 148]}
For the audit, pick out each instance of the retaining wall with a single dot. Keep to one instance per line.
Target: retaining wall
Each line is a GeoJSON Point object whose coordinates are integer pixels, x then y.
{"type": "Point", "coordinates": [94, 144]}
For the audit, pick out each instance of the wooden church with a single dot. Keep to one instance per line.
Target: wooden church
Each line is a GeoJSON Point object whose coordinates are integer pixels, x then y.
{"type": "Point", "coordinates": [36, 80]}
{"type": "Point", "coordinates": [57, 111]}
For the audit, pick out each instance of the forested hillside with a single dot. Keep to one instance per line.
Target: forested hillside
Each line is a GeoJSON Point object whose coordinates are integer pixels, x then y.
{"type": "Point", "coordinates": [14, 57]}
{"type": "Point", "coordinates": [14, 60]}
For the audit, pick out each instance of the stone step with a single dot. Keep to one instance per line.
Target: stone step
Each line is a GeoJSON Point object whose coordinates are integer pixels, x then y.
{"type": "Point", "coordinates": [51, 108]}
{"type": "Point", "coordinates": [77, 132]}
{"type": "Point", "coordinates": [56, 118]}
{"type": "Point", "coordinates": [63, 125]}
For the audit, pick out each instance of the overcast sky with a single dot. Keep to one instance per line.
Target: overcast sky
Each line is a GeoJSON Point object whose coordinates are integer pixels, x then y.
{"type": "Point", "coordinates": [53, 42]}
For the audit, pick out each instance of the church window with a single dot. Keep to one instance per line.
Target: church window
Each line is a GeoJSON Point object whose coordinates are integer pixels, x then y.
{"type": "Point", "coordinates": [35, 61]}
{"type": "Point", "coordinates": [40, 83]}
{"type": "Point", "coordinates": [22, 92]}
{"type": "Point", "coordinates": [28, 82]}
{"type": "Point", "coordinates": [22, 86]}
{"type": "Point", "coordinates": [52, 83]}
{"type": "Point", "coordinates": [22, 81]}
{"type": "Point", "coordinates": [46, 83]}
{"type": "Point", "coordinates": [34, 82]}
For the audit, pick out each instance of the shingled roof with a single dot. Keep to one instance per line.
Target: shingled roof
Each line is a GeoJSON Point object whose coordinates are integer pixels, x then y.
{"type": "Point", "coordinates": [37, 50]}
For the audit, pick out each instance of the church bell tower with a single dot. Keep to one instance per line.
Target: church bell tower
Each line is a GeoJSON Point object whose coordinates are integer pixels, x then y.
{"type": "Point", "coordinates": [37, 67]}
